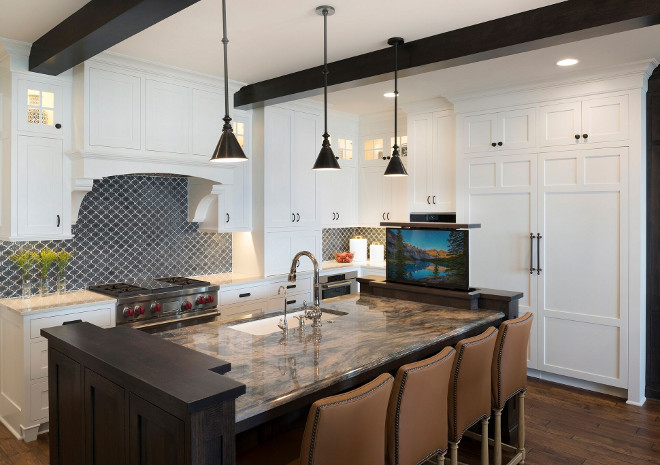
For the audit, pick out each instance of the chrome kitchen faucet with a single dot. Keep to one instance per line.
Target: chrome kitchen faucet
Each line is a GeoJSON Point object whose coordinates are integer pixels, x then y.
{"type": "Point", "coordinates": [314, 313]}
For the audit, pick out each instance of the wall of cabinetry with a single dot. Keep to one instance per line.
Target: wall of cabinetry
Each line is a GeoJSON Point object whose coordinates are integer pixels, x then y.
{"type": "Point", "coordinates": [561, 198]}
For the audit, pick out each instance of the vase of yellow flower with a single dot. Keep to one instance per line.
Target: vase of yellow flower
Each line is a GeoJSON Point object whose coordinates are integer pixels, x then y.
{"type": "Point", "coordinates": [61, 262]}
{"type": "Point", "coordinates": [45, 260]}
{"type": "Point", "coordinates": [24, 260]}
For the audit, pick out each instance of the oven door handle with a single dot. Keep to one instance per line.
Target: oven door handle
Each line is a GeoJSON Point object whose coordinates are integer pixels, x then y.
{"type": "Point", "coordinates": [163, 321]}
{"type": "Point", "coordinates": [347, 282]}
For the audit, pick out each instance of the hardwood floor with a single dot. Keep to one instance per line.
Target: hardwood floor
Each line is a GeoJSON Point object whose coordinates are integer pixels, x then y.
{"type": "Point", "coordinates": [565, 426]}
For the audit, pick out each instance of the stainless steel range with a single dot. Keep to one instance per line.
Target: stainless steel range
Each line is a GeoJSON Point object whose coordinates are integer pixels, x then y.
{"type": "Point", "coordinates": [152, 303]}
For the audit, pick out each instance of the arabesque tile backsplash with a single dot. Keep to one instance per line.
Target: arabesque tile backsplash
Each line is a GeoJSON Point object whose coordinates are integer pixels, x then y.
{"type": "Point", "coordinates": [337, 239]}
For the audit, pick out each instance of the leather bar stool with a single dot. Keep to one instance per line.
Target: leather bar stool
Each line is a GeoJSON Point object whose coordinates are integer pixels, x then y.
{"type": "Point", "coordinates": [417, 414]}
{"type": "Point", "coordinates": [347, 429]}
{"type": "Point", "coordinates": [469, 390]}
{"type": "Point", "coordinates": [509, 378]}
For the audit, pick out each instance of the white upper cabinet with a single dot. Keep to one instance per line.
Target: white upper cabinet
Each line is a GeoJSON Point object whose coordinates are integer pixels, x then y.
{"type": "Point", "coordinates": [40, 107]}
{"type": "Point", "coordinates": [167, 117]}
{"type": "Point", "coordinates": [382, 198]}
{"type": "Point", "coordinates": [432, 163]}
{"type": "Point", "coordinates": [338, 196]}
{"type": "Point", "coordinates": [507, 130]}
{"type": "Point", "coordinates": [40, 211]}
{"type": "Point", "coordinates": [114, 110]}
{"type": "Point", "coordinates": [292, 141]}
{"type": "Point", "coordinates": [587, 121]}
{"type": "Point", "coordinates": [207, 114]}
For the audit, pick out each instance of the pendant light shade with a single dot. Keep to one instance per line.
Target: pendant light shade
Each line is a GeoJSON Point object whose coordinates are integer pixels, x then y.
{"type": "Point", "coordinates": [395, 166]}
{"type": "Point", "coordinates": [228, 149]}
{"type": "Point", "coordinates": [326, 159]}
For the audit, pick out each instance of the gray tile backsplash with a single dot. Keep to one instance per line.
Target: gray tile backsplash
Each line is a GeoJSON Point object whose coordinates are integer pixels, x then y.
{"type": "Point", "coordinates": [130, 227]}
{"type": "Point", "coordinates": [337, 239]}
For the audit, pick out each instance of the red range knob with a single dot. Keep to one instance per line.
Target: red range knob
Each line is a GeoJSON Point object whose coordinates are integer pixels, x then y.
{"type": "Point", "coordinates": [186, 305]}
{"type": "Point", "coordinates": [139, 310]}
{"type": "Point", "coordinates": [156, 308]}
{"type": "Point", "coordinates": [210, 299]}
{"type": "Point", "coordinates": [201, 300]}
{"type": "Point", "coordinates": [128, 311]}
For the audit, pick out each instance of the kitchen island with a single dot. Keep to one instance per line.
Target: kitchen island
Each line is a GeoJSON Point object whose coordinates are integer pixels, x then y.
{"type": "Point", "coordinates": [182, 395]}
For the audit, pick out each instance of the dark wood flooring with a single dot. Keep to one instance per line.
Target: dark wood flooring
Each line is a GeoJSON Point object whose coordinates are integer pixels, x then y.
{"type": "Point", "coordinates": [565, 426]}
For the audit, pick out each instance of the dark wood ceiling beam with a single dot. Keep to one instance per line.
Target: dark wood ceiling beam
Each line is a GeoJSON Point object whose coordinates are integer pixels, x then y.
{"type": "Point", "coordinates": [95, 27]}
{"type": "Point", "coordinates": [556, 24]}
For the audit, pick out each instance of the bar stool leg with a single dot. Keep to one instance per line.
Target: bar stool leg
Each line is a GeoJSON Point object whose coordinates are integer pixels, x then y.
{"type": "Point", "coordinates": [497, 437]}
{"type": "Point", "coordinates": [521, 425]}
{"type": "Point", "coordinates": [441, 459]}
{"type": "Point", "coordinates": [453, 453]}
{"type": "Point", "coordinates": [484, 441]}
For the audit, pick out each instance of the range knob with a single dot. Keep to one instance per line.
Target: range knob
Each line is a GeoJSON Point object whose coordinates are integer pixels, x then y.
{"type": "Point", "coordinates": [139, 310]}
{"type": "Point", "coordinates": [210, 299]}
{"type": "Point", "coordinates": [201, 300]}
{"type": "Point", "coordinates": [156, 307]}
{"type": "Point", "coordinates": [186, 305]}
{"type": "Point", "coordinates": [128, 311]}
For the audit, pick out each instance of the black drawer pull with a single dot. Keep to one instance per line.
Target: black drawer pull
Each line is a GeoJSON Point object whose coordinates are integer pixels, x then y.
{"type": "Point", "coordinates": [291, 286]}
{"type": "Point", "coordinates": [247, 294]}
{"type": "Point", "coordinates": [290, 302]}
{"type": "Point", "coordinates": [72, 322]}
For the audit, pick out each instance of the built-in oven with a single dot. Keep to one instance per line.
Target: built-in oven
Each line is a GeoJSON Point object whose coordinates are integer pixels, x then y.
{"type": "Point", "coordinates": [335, 285]}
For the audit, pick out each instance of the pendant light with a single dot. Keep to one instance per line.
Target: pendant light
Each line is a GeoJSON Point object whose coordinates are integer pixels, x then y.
{"type": "Point", "coordinates": [228, 149]}
{"type": "Point", "coordinates": [395, 166]}
{"type": "Point", "coordinates": [326, 159]}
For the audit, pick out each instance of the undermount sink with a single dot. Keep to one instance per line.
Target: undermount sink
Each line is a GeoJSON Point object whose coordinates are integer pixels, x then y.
{"type": "Point", "coordinates": [267, 326]}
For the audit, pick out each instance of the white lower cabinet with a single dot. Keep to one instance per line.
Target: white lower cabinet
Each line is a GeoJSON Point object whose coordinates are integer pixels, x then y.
{"type": "Point", "coordinates": [24, 363]}
{"type": "Point", "coordinates": [258, 298]}
{"type": "Point", "coordinates": [338, 197]}
{"type": "Point", "coordinates": [554, 225]}
{"type": "Point", "coordinates": [381, 198]}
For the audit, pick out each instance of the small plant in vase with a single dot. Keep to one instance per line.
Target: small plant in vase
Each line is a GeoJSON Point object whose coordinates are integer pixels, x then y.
{"type": "Point", "coordinates": [46, 258]}
{"type": "Point", "coordinates": [25, 260]}
{"type": "Point", "coordinates": [61, 262]}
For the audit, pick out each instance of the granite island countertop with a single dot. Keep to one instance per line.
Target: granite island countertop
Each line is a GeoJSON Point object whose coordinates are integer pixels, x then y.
{"type": "Point", "coordinates": [374, 330]}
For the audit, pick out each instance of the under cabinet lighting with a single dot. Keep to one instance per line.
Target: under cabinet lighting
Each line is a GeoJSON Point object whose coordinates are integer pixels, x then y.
{"type": "Point", "coordinates": [567, 62]}
{"type": "Point", "coordinates": [389, 94]}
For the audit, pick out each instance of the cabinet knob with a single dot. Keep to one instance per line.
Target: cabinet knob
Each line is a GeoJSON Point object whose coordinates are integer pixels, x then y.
{"type": "Point", "coordinates": [577, 136]}
{"type": "Point", "coordinates": [585, 136]}
{"type": "Point", "coordinates": [58, 126]}
{"type": "Point", "coordinates": [500, 144]}
{"type": "Point", "coordinates": [336, 158]}
{"type": "Point", "coordinates": [494, 144]}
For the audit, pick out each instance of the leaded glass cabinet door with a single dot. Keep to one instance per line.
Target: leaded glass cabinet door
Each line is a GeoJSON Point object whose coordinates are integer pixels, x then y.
{"type": "Point", "coordinates": [39, 107]}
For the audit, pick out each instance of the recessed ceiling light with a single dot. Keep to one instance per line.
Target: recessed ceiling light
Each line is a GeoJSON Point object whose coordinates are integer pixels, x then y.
{"type": "Point", "coordinates": [567, 62]}
{"type": "Point", "coordinates": [388, 94]}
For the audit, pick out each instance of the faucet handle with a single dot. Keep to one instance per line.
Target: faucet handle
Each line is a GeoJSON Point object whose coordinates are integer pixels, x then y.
{"type": "Point", "coordinates": [279, 291]}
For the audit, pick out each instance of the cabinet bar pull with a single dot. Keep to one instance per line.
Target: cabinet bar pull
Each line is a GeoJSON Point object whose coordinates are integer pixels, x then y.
{"type": "Point", "coordinates": [293, 217]}
{"type": "Point", "coordinates": [531, 254]}
{"type": "Point", "coordinates": [538, 253]}
{"type": "Point", "coordinates": [290, 302]}
{"type": "Point", "coordinates": [428, 200]}
{"type": "Point", "coordinates": [58, 221]}
{"type": "Point", "coordinates": [434, 200]}
{"type": "Point", "coordinates": [337, 215]}
{"type": "Point", "coordinates": [333, 216]}
{"type": "Point", "coordinates": [247, 294]}
{"type": "Point", "coordinates": [383, 216]}
{"type": "Point", "coordinates": [227, 217]}
{"type": "Point", "coordinates": [298, 219]}
{"type": "Point", "coordinates": [388, 216]}
{"type": "Point", "coordinates": [291, 286]}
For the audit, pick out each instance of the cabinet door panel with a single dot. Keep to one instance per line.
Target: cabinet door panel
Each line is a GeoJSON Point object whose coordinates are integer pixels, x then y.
{"type": "Point", "coordinates": [443, 166]}
{"type": "Point", "coordinates": [517, 129]}
{"type": "Point", "coordinates": [167, 119]}
{"type": "Point", "coordinates": [114, 110]}
{"type": "Point", "coordinates": [278, 253]}
{"type": "Point", "coordinates": [372, 192]}
{"type": "Point", "coordinates": [207, 113]}
{"type": "Point", "coordinates": [507, 215]}
{"type": "Point", "coordinates": [105, 422]}
{"type": "Point", "coordinates": [40, 107]}
{"type": "Point", "coordinates": [41, 196]}
{"type": "Point", "coordinates": [155, 436]}
{"type": "Point", "coordinates": [277, 167]}
{"type": "Point", "coordinates": [480, 132]}
{"type": "Point", "coordinates": [558, 124]}
{"type": "Point", "coordinates": [338, 194]}
{"type": "Point", "coordinates": [306, 145]}
{"type": "Point", "coordinates": [605, 119]}
{"type": "Point", "coordinates": [395, 197]}
{"type": "Point", "coordinates": [583, 313]}
{"type": "Point", "coordinates": [305, 240]}
{"type": "Point", "coordinates": [420, 163]}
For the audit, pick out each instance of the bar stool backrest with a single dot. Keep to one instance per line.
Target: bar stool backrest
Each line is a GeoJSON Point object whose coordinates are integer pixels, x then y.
{"type": "Point", "coordinates": [509, 367]}
{"type": "Point", "coordinates": [469, 387]}
{"type": "Point", "coordinates": [349, 428]}
{"type": "Point", "coordinates": [417, 414]}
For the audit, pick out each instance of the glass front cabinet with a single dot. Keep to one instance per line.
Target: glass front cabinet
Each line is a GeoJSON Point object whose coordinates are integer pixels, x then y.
{"type": "Point", "coordinates": [39, 107]}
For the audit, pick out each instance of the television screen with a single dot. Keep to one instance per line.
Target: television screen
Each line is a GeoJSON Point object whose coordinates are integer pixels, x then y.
{"type": "Point", "coordinates": [428, 257]}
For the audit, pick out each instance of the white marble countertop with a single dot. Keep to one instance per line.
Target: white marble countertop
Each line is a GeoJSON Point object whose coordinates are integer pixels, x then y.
{"type": "Point", "coordinates": [333, 265]}
{"type": "Point", "coordinates": [52, 302]}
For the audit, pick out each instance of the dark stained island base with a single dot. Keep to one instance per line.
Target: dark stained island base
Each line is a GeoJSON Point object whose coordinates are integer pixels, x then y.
{"type": "Point", "coordinates": [365, 336]}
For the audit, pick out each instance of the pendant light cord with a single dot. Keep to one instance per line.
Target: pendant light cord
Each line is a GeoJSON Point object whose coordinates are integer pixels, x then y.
{"type": "Point", "coordinates": [325, 73]}
{"type": "Point", "coordinates": [225, 41]}
{"type": "Point", "coordinates": [396, 96]}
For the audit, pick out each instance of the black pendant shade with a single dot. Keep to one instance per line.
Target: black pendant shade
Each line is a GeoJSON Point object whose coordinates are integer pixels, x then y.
{"type": "Point", "coordinates": [326, 159]}
{"type": "Point", "coordinates": [395, 166]}
{"type": "Point", "coordinates": [228, 149]}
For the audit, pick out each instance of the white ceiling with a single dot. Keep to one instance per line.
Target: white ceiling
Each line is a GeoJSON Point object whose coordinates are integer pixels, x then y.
{"type": "Point", "coordinates": [268, 39]}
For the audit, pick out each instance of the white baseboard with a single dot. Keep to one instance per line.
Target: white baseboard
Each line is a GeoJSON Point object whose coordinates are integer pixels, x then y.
{"type": "Point", "coordinates": [10, 428]}
{"type": "Point", "coordinates": [578, 383]}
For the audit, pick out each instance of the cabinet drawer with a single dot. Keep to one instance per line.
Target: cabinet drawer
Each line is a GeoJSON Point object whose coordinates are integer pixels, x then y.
{"type": "Point", "coordinates": [39, 400]}
{"type": "Point", "coordinates": [244, 294]}
{"type": "Point", "coordinates": [256, 307]}
{"type": "Point", "coordinates": [295, 301]}
{"type": "Point", "coordinates": [100, 317]}
{"type": "Point", "coordinates": [300, 285]}
{"type": "Point", "coordinates": [38, 359]}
